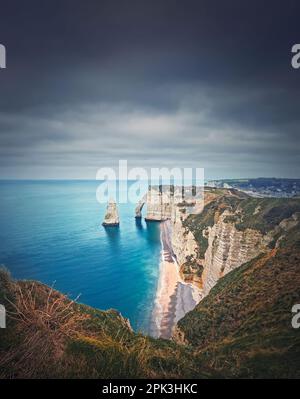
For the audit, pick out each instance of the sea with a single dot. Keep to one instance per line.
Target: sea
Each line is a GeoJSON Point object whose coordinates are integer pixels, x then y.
{"type": "Point", "coordinates": [51, 231]}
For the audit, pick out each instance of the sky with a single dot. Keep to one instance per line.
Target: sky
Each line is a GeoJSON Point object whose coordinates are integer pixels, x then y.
{"type": "Point", "coordinates": [167, 83]}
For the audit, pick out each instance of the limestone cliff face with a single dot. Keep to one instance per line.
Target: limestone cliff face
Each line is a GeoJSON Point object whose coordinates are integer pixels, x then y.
{"type": "Point", "coordinates": [161, 201]}
{"type": "Point", "coordinates": [231, 231]}
{"type": "Point", "coordinates": [139, 206]}
{"type": "Point", "coordinates": [170, 203]}
{"type": "Point", "coordinates": [111, 217]}
{"type": "Point", "coordinates": [228, 249]}
{"type": "Point", "coordinates": [159, 205]}
{"type": "Point", "coordinates": [245, 321]}
{"type": "Point", "coordinates": [185, 247]}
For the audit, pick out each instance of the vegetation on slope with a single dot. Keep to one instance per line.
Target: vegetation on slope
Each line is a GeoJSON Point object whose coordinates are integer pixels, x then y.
{"type": "Point", "coordinates": [261, 214]}
{"type": "Point", "coordinates": [223, 199]}
{"type": "Point", "coordinates": [243, 327]}
{"type": "Point", "coordinates": [49, 336]}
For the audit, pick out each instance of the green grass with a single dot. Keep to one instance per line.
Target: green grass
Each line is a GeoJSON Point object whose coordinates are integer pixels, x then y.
{"type": "Point", "coordinates": [88, 343]}
{"type": "Point", "coordinates": [243, 327]}
{"type": "Point", "coordinates": [272, 212]}
{"type": "Point", "coordinates": [261, 214]}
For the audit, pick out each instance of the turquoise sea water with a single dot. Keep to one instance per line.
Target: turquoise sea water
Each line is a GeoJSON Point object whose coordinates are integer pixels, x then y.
{"type": "Point", "coordinates": [51, 231]}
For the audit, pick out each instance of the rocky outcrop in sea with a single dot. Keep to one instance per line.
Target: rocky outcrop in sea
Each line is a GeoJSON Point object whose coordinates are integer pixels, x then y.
{"type": "Point", "coordinates": [111, 217]}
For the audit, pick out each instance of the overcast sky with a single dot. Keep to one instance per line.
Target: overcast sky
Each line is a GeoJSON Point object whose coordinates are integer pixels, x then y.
{"type": "Point", "coordinates": [159, 83]}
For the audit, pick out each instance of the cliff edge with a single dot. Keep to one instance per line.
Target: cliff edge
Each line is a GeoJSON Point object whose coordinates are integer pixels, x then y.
{"type": "Point", "coordinates": [232, 229]}
{"type": "Point", "coordinates": [242, 328]}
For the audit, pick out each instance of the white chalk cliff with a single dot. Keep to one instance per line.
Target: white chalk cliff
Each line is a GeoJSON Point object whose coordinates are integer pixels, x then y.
{"type": "Point", "coordinates": [111, 217]}
{"type": "Point", "coordinates": [221, 245]}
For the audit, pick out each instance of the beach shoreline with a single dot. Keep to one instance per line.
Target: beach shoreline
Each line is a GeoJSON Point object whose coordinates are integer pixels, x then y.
{"type": "Point", "coordinates": [174, 297]}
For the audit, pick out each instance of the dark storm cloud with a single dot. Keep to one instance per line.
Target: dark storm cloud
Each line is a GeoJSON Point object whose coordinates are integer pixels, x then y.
{"type": "Point", "coordinates": [204, 83]}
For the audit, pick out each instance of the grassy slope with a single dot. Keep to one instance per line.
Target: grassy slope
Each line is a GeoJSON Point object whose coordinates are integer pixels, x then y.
{"type": "Point", "coordinates": [271, 212]}
{"type": "Point", "coordinates": [48, 336]}
{"type": "Point", "coordinates": [261, 214]}
{"type": "Point", "coordinates": [243, 327]}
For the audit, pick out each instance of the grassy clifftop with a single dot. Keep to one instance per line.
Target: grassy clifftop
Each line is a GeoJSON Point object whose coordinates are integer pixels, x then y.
{"type": "Point", "coordinates": [243, 327]}
{"type": "Point", "coordinates": [261, 214]}
{"type": "Point", "coordinates": [49, 336]}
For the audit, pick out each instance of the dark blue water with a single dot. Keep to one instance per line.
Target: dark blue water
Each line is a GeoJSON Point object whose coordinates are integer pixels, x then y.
{"type": "Point", "coordinates": [51, 231]}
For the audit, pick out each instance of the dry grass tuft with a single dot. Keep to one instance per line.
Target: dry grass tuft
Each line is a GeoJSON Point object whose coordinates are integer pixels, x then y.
{"type": "Point", "coordinates": [43, 326]}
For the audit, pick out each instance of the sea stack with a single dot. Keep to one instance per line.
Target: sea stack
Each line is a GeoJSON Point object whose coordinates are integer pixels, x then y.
{"type": "Point", "coordinates": [139, 207]}
{"type": "Point", "coordinates": [111, 217]}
